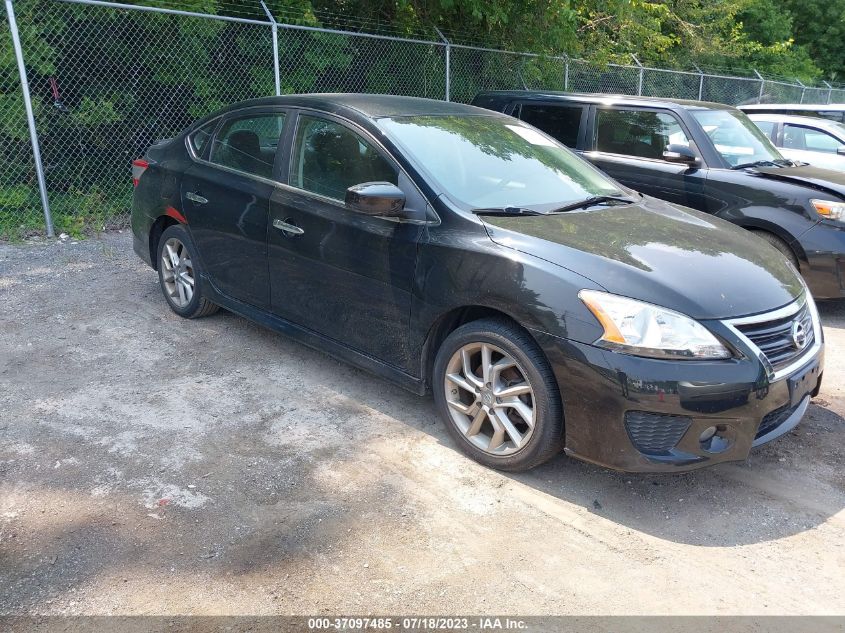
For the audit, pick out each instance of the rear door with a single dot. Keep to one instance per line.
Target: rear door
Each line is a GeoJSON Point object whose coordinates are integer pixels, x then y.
{"type": "Point", "coordinates": [226, 198]}
{"type": "Point", "coordinates": [628, 144]}
{"type": "Point", "coordinates": [345, 275]}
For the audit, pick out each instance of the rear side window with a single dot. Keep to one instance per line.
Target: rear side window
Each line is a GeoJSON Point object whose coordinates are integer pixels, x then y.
{"type": "Point", "coordinates": [642, 133]}
{"type": "Point", "coordinates": [560, 122]}
{"type": "Point", "coordinates": [328, 158]}
{"type": "Point", "coordinates": [249, 144]}
{"type": "Point", "coordinates": [800, 137]}
{"type": "Point", "coordinates": [199, 139]}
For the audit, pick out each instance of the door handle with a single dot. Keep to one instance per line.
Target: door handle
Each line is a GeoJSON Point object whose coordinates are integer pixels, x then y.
{"type": "Point", "coordinates": [195, 197]}
{"type": "Point", "coordinates": [288, 229]}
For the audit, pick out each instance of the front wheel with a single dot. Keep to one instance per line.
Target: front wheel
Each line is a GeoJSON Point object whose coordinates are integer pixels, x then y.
{"type": "Point", "coordinates": [498, 396]}
{"type": "Point", "coordinates": [779, 244]}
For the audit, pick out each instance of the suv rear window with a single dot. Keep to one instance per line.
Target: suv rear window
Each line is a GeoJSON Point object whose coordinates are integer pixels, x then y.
{"type": "Point", "coordinates": [561, 122]}
{"type": "Point", "coordinates": [641, 133]}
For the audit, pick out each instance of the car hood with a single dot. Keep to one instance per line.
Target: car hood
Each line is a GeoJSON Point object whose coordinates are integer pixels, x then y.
{"type": "Point", "coordinates": [815, 177]}
{"type": "Point", "coordinates": [660, 253]}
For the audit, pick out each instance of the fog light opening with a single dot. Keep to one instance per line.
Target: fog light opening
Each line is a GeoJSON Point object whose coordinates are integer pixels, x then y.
{"type": "Point", "coordinates": [716, 439]}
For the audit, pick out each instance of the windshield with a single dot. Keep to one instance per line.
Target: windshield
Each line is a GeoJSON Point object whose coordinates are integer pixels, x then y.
{"type": "Point", "coordinates": [736, 137]}
{"type": "Point", "coordinates": [494, 162]}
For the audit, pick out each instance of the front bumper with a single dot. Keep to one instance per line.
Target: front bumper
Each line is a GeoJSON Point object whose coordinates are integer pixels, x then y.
{"type": "Point", "coordinates": [649, 415]}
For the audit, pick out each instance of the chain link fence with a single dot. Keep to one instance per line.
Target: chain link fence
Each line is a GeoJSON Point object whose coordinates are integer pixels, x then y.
{"type": "Point", "coordinates": [313, 60]}
{"type": "Point", "coordinates": [20, 206]}
{"type": "Point", "coordinates": [107, 80]}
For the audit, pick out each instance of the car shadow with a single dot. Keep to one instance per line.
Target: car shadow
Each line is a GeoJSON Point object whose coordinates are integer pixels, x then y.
{"type": "Point", "coordinates": [786, 487]}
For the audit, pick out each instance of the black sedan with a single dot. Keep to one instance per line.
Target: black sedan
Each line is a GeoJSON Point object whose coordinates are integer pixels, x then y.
{"type": "Point", "coordinates": [463, 252]}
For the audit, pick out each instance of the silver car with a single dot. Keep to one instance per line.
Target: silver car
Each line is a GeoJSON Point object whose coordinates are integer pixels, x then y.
{"type": "Point", "coordinates": [819, 142]}
{"type": "Point", "coordinates": [832, 111]}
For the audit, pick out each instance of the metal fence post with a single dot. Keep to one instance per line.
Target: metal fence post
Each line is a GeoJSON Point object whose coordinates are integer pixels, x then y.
{"type": "Point", "coordinates": [448, 62]}
{"type": "Point", "coordinates": [829, 91]}
{"type": "Point", "coordinates": [762, 85]}
{"type": "Point", "coordinates": [803, 89]}
{"type": "Point", "coordinates": [30, 118]}
{"type": "Point", "coordinates": [275, 31]}
{"type": "Point", "coordinates": [700, 82]}
{"type": "Point", "coordinates": [642, 70]}
{"type": "Point", "coordinates": [566, 75]}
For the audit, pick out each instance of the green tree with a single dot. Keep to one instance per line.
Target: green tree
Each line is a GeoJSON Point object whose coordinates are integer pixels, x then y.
{"type": "Point", "coordinates": [819, 25]}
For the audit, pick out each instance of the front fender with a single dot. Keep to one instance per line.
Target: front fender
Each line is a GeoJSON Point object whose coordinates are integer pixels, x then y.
{"type": "Point", "coordinates": [535, 293]}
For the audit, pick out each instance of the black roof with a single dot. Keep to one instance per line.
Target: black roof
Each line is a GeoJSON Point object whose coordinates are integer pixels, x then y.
{"type": "Point", "coordinates": [368, 105]}
{"type": "Point", "coordinates": [596, 97]}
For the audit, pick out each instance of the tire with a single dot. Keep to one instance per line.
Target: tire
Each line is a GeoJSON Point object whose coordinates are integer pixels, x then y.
{"type": "Point", "coordinates": [779, 244]}
{"type": "Point", "coordinates": [472, 409]}
{"type": "Point", "coordinates": [179, 274]}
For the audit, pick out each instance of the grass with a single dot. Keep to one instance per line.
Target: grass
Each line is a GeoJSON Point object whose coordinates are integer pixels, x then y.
{"type": "Point", "coordinates": [78, 213]}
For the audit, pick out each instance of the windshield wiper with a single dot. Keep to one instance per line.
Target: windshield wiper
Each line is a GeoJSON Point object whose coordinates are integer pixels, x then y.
{"type": "Point", "coordinates": [757, 163]}
{"type": "Point", "coordinates": [506, 211]}
{"type": "Point", "coordinates": [592, 201]}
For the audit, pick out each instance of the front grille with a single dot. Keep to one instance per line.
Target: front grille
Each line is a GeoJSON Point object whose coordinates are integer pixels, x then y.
{"type": "Point", "coordinates": [655, 433]}
{"type": "Point", "coordinates": [774, 336]}
{"type": "Point", "coordinates": [774, 419]}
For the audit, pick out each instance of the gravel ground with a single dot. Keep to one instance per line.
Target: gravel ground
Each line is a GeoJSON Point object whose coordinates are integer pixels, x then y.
{"type": "Point", "coordinates": [152, 465]}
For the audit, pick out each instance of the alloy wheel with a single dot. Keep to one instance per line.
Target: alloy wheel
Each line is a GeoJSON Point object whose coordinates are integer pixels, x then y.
{"type": "Point", "coordinates": [177, 272]}
{"type": "Point", "coordinates": [490, 398]}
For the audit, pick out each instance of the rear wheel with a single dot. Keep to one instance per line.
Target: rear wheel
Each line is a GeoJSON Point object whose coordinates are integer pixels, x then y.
{"type": "Point", "coordinates": [178, 274]}
{"type": "Point", "coordinates": [779, 244]}
{"type": "Point", "coordinates": [498, 396]}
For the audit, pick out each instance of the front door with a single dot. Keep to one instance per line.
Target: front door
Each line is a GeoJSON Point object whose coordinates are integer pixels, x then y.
{"type": "Point", "coordinates": [629, 144]}
{"type": "Point", "coordinates": [345, 275]}
{"type": "Point", "coordinates": [226, 200]}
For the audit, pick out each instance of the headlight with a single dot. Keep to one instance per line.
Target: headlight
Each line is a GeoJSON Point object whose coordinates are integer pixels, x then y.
{"type": "Point", "coordinates": [643, 329]}
{"type": "Point", "coordinates": [829, 209]}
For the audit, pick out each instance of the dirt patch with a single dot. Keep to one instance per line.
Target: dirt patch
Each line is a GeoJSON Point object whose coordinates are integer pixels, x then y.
{"type": "Point", "coordinates": [152, 465]}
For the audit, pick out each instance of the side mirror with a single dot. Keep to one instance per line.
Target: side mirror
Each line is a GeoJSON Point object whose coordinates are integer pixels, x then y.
{"type": "Point", "coordinates": [376, 198]}
{"type": "Point", "coordinates": [675, 153]}
{"type": "Point", "coordinates": [841, 150]}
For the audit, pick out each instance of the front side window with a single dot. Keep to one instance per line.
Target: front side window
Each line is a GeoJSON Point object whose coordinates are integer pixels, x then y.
{"type": "Point", "coordinates": [736, 138]}
{"type": "Point", "coordinates": [494, 161]}
{"type": "Point", "coordinates": [641, 133]}
{"type": "Point", "coordinates": [800, 137]}
{"type": "Point", "coordinates": [249, 144]}
{"type": "Point", "coordinates": [561, 122]}
{"type": "Point", "coordinates": [328, 158]}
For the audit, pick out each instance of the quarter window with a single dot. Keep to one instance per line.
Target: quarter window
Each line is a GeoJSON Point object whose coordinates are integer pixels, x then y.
{"type": "Point", "coordinates": [561, 122]}
{"type": "Point", "coordinates": [799, 137]}
{"type": "Point", "coordinates": [199, 138]}
{"type": "Point", "coordinates": [637, 132]}
{"type": "Point", "coordinates": [329, 158]}
{"type": "Point", "coordinates": [249, 144]}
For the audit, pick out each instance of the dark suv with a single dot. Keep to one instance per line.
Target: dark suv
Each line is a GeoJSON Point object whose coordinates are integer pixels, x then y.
{"type": "Point", "coordinates": [706, 156]}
